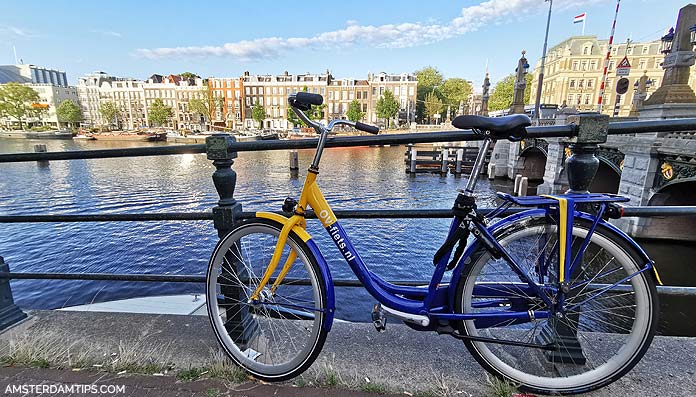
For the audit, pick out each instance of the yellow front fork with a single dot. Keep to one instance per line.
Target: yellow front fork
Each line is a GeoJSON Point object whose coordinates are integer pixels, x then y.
{"type": "Point", "coordinates": [295, 220]}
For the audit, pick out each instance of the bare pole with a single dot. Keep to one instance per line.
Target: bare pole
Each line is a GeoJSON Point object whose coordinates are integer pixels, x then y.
{"type": "Point", "coordinates": [606, 60]}
{"type": "Point", "coordinates": [537, 103]}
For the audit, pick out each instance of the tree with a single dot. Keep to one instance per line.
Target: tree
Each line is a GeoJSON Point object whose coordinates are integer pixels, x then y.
{"type": "Point", "coordinates": [110, 112]}
{"type": "Point", "coordinates": [387, 106]}
{"type": "Point", "coordinates": [258, 113]}
{"type": "Point", "coordinates": [354, 112]}
{"type": "Point", "coordinates": [504, 91]}
{"type": "Point", "coordinates": [429, 79]}
{"type": "Point", "coordinates": [454, 91]}
{"type": "Point", "coordinates": [16, 100]}
{"type": "Point", "coordinates": [189, 75]}
{"type": "Point", "coordinates": [314, 113]}
{"type": "Point", "coordinates": [69, 112]}
{"type": "Point", "coordinates": [159, 113]}
{"type": "Point", "coordinates": [201, 104]}
{"type": "Point", "coordinates": [432, 105]}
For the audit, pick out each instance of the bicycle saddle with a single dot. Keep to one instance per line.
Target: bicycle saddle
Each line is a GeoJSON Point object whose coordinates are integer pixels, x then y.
{"type": "Point", "coordinates": [508, 127]}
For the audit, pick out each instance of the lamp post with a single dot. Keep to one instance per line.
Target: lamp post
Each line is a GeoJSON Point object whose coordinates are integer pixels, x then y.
{"type": "Point", "coordinates": [540, 80]}
{"type": "Point", "coordinates": [520, 85]}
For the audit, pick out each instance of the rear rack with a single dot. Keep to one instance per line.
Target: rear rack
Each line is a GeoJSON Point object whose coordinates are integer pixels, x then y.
{"type": "Point", "coordinates": [532, 201]}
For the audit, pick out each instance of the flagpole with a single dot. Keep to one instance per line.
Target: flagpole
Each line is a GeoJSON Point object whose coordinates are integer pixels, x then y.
{"type": "Point", "coordinates": [583, 24]}
{"type": "Point", "coordinates": [606, 60]}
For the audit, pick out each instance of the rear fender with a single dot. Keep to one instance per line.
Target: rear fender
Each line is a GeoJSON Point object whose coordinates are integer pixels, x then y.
{"type": "Point", "coordinates": [321, 261]}
{"type": "Point", "coordinates": [513, 220]}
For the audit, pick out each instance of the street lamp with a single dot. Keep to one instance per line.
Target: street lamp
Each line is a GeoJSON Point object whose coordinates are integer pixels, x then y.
{"type": "Point", "coordinates": [666, 46]}
{"type": "Point", "coordinates": [692, 29]}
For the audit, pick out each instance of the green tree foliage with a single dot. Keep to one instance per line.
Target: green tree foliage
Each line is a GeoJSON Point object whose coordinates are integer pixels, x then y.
{"type": "Point", "coordinates": [16, 100]}
{"type": "Point", "coordinates": [189, 75]}
{"type": "Point", "coordinates": [354, 112]}
{"type": "Point", "coordinates": [432, 105]}
{"type": "Point", "coordinates": [258, 113]}
{"type": "Point", "coordinates": [159, 113]}
{"type": "Point", "coordinates": [69, 112]}
{"type": "Point", "coordinates": [455, 90]}
{"type": "Point", "coordinates": [504, 91]}
{"type": "Point", "coordinates": [110, 112]}
{"type": "Point", "coordinates": [315, 113]}
{"type": "Point", "coordinates": [201, 104]}
{"type": "Point", "coordinates": [429, 79]}
{"type": "Point", "coordinates": [387, 106]}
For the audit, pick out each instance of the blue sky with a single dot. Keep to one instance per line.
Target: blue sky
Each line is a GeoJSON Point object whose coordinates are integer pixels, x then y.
{"type": "Point", "coordinates": [351, 38]}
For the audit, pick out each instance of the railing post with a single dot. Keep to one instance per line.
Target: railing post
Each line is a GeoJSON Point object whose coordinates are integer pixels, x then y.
{"type": "Point", "coordinates": [9, 312]}
{"type": "Point", "coordinates": [582, 165]}
{"type": "Point", "coordinates": [225, 180]}
{"type": "Point", "coordinates": [239, 323]}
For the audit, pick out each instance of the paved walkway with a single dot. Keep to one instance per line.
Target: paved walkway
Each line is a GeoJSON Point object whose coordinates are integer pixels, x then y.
{"type": "Point", "coordinates": [401, 359]}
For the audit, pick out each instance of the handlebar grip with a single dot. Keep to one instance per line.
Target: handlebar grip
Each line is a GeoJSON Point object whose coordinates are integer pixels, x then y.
{"type": "Point", "coordinates": [367, 128]}
{"type": "Point", "coordinates": [309, 98]}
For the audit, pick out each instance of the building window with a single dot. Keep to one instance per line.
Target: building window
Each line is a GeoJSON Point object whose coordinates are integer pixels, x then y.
{"type": "Point", "coordinates": [658, 63]}
{"type": "Point", "coordinates": [589, 83]}
{"type": "Point", "coordinates": [586, 50]}
{"type": "Point", "coordinates": [611, 65]}
{"type": "Point", "coordinates": [572, 83]}
{"type": "Point", "coordinates": [645, 49]}
{"type": "Point", "coordinates": [593, 65]}
{"type": "Point", "coordinates": [570, 99]}
{"type": "Point", "coordinates": [581, 84]}
{"type": "Point", "coordinates": [575, 65]}
{"type": "Point", "coordinates": [630, 50]}
{"type": "Point", "coordinates": [364, 107]}
{"type": "Point", "coordinates": [358, 95]}
{"type": "Point", "coordinates": [642, 64]}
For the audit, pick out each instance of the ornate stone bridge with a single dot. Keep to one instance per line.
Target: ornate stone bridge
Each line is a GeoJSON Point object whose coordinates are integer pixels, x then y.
{"type": "Point", "coordinates": [651, 169]}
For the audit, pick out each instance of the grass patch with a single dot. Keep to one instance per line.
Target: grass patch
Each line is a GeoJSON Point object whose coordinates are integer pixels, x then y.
{"type": "Point", "coordinates": [373, 387]}
{"type": "Point", "coordinates": [212, 392]}
{"type": "Point", "coordinates": [501, 387]}
{"type": "Point", "coordinates": [191, 374]}
{"type": "Point", "coordinates": [222, 368]}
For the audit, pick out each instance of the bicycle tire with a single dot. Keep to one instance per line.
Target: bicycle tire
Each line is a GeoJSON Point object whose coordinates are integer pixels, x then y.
{"type": "Point", "coordinates": [511, 362]}
{"type": "Point", "coordinates": [262, 338]}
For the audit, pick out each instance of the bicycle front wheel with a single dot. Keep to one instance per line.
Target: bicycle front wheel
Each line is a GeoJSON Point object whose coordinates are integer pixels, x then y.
{"type": "Point", "coordinates": [278, 335]}
{"type": "Point", "coordinates": [610, 313]}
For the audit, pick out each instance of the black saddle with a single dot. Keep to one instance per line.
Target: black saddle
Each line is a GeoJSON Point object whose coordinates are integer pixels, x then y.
{"type": "Point", "coordinates": [509, 127]}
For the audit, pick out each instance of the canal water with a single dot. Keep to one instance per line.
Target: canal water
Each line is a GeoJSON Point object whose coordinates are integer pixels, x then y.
{"type": "Point", "coordinates": [351, 178]}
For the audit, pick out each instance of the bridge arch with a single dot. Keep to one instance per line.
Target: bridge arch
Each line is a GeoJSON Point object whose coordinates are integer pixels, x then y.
{"type": "Point", "coordinates": [531, 163]}
{"type": "Point", "coordinates": [679, 192]}
{"type": "Point", "coordinates": [607, 178]}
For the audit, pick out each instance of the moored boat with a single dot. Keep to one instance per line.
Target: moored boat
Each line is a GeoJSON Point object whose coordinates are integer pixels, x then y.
{"type": "Point", "coordinates": [36, 134]}
{"type": "Point", "coordinates": [131, 136]}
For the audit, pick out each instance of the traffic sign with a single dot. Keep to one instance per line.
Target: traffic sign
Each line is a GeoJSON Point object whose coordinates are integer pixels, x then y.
{"type": "Point", "coordinates": [624, 67]}
{"type": "Point", "coordinates": [622, 86]}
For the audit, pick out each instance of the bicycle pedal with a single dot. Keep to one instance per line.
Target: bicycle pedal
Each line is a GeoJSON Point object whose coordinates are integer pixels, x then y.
{"type": "Point", "coordinates": [379, 320]}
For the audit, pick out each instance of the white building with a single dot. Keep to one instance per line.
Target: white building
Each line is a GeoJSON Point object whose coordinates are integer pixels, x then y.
{"type": "Point", "coordinates": [133, 98]}
{"type": "Point", "coordinates": [51, 85]}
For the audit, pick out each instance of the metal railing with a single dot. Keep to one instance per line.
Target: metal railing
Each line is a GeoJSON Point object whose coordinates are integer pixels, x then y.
{"type": "Point", "coordinates": [584, 135]}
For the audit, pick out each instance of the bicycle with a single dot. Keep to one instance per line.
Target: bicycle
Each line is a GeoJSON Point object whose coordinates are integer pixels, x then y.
{"type": "Point", "coordinates": [553, 298]}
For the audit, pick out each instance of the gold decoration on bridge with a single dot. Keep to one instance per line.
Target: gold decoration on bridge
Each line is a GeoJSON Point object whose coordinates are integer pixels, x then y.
{"type": "Point", "coordinates": [667, 171]}
{"type": "Point", "coordinates": [567, 152]}
{"type": "Point", "coordinates": [521, 145]}
{"type": "Point", "coordinates": [621, 165]}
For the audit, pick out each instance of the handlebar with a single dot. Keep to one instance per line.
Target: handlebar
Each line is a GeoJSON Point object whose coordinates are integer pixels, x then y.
{"type": "Point", "coordinates": [303, 101]}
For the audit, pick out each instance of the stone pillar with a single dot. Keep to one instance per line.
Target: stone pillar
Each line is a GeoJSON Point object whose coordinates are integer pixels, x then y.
{"type": "Point", "coordinates": [513, 157]}
{"type": "Point", "coordinates": [554, 179]}
{"type": "Point", "coordinates": [641, 163]}
{"type": "Point", "coordinates": [499, 157]}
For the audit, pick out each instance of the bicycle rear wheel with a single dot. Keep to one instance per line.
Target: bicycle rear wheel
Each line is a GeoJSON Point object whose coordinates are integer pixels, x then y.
{"type": "Point", "coordinates": [599, 338]}
{"type": "Point", "coordinates": [277, 336]}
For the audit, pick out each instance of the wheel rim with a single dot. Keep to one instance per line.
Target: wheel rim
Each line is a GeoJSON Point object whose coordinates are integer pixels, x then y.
{"type": "Point", "coordinates": [275, 337]}
{"type": "Point", "coordinates": [529, 366]}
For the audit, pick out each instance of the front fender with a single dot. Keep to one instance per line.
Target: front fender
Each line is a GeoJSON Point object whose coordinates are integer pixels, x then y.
{"type": "Point", "coordinates": [321, 261]}
{"type": "Point", "coordinates": [536, 212]}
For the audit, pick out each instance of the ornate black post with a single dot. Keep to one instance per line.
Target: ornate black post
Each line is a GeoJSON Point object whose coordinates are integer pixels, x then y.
{"type": "Point", "coordinates": [9, 312]}
{"type": "Point", "coordinates": [582, 165]}
{"type": "Point", "coordinates": [239, 323]}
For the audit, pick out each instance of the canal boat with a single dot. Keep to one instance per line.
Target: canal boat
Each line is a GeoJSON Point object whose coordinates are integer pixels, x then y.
{"type": "Point", "coordinates": [145, 136]}
{"type": "Point", "coordinates": [36, 134]}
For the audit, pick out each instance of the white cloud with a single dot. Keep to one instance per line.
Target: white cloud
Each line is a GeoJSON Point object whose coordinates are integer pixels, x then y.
{"type": "Point", "coordinates": [406, 34]}
{"type": "Point", "coordinates": [14, 31]}
{"type": "Point", "coordinates": [109, 33]}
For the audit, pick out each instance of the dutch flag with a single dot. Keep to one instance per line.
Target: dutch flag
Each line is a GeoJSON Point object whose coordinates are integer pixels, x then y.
{"type": "Point", "coordinates": [580, 18]}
